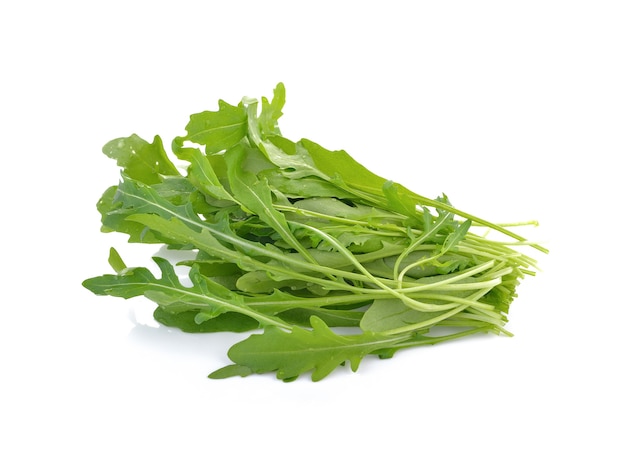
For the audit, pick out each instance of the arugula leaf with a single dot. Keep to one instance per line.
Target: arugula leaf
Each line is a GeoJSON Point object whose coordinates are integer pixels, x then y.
{"type": "Point", "coordinates": [217, 130]}
{"type": "Point", "coordinates": [272, 111]}
{"type": "Point", "coordinates": [202, 175]}
{"type": "Point", "coordinates": [204, 297]}
{"type": "Point", "coordinates": [290, 354]}
{"type": "Point", "coordinates": [142, 161]}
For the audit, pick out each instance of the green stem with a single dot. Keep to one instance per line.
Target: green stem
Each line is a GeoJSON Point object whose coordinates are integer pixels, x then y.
{"type": "Point", "coordinates": [427, 340]}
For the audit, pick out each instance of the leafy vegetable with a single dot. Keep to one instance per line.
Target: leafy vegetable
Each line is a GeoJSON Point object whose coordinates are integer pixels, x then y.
{"type": "Point", "coordinates": [299, 243]}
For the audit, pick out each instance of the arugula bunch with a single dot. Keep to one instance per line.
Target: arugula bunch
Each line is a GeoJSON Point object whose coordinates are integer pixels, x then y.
{"type": "Point", "coordinates": [300, 242]}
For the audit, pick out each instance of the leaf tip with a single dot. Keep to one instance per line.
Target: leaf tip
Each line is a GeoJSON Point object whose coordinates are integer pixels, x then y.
{"type": "Point", "coordinates": [230, 371]}
{"type": "Point", "coordinates": [115, 261]}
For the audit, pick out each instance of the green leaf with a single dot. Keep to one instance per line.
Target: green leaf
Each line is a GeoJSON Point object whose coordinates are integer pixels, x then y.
{"type": "Point", "coordinates": [114, 220]}
{"type": "Point", "coordinates": [456, 236]}
{"type": "Point", "coordinates": [185, 321]}
{"type": "Point", "coordinates": [292, 158]}
{"type": "Point", "coordinates": [116, 262]}
{"type": "Point", "coordinates": [384, 266]}
{"type": "Point", "coordinates": [389, 314]}
{"type": "Point", "coordinates": [201, 174]}
{"type": "Point", "coordinates": [133, 198]}
{"type": "Point", "coordinates": [307, 187]}
{"type": "Point", "coordinates": [255, 195]}
{"type": "Point", "coordinates": [319, 350]}
{"type": "Point", "coordinates": [230, 371]}
{"type": "Point", "coordinates": [142, 161]}
{"type": "Point", "coordinates": [332, 318]}
{"type": "Point", "coordinates": [343, 170]}
{"type": "Point", "coordinates": [176, 230]}
{"type": "Point", "coordinates": [271, 112]}
{"type": "Point", "coordinates": [175, 189]}
{"type": "Point", "coordinates": [216, 130]}
{"type": "Point", "coordinates": [261, 282]}
{"type": "Point", "coordinates": [398, 201]}
{"type": "Point", "coordinates": [204, 296]}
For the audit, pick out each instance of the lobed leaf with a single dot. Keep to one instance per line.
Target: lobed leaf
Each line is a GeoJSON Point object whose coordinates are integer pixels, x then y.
{"type": "Point", "coordinates": [142, 161]}
{"type": "Point", "coordinates": [216, 130]}
{"type": "Point", "coordinates": [203, 297]}
{"type": "Point", "coordinates": [319, 350]}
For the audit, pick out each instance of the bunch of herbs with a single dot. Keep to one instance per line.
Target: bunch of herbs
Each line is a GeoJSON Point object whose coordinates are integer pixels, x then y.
{"type": "Point", "coordinates": [323, 260]}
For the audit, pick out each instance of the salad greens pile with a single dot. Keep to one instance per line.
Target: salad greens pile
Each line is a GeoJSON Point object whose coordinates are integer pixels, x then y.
{"type": "Point", "coordinates": [323, 260]}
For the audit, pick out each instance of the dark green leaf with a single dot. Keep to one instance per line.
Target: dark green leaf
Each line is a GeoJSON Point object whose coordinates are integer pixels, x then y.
{"type": "Point", "coordinates": [185, 321]}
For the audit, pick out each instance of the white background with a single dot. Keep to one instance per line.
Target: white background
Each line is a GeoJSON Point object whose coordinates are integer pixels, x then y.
{"type": "Point", "coordinates": [516, 110]}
